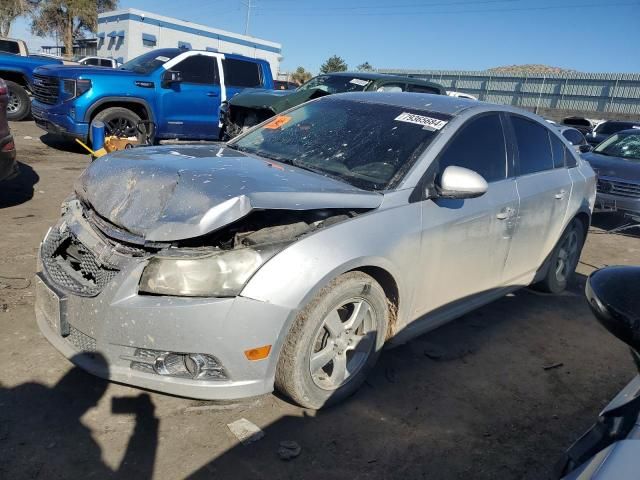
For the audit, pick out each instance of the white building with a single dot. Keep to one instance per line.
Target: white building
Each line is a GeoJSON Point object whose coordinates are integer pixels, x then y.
{"type": "Point", "coordinates": [125, 34]}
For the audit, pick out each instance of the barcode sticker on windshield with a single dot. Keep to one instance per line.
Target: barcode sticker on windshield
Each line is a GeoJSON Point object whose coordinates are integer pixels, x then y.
{"type": "Point", "coordinates": [358, 81]}
{"type": "Point", "coordinates": [427, 122]}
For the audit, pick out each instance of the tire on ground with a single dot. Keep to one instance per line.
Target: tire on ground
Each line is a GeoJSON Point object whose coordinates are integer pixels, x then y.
{"type": "Point", "coordinates": [24, 102]}
{"type": "Point", "coordinates": [112, 113]}
{"type": "Point", "coordinates": [552, 282]}
{"type": "Point", "coordinates": [293, 375]}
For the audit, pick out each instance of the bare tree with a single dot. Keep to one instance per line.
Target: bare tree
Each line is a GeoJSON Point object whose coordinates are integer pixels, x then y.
{"type": "Point", "coordinates": [12, 9]}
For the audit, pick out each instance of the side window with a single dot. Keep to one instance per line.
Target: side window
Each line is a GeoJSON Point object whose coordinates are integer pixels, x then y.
{"type": "Point", "coordinates": [199, 69]}
{"type": "Point", "coordinates": [106, 63]}
{"type": "Point", "coordinates": [239, 73]}
{"type": "Point", "coordinates": [558, 148]}
{"type": "Point", "coordinates": [574, 137]}
{"type": "Point", "coordinates": [570, 158]}
{"type": "Point", "coordinates": [422, 89]}
{"type": "Point", "coordinates": [9, 46]}
{"type": "Point", "coordinates": [534, 149]}
{"type": "Point", "coordinates": [479, 145]}
{"type": "Point", "coordinates": [93, 61]}
{"type": "Point", "coordinates": [392, 87]}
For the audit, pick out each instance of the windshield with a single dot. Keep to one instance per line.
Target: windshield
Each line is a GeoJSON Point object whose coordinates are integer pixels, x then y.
{"type": "Point", "coordinates": [607, 128]}
{"type": "Point", "coordinates": [149, 62]}
{"type": "Point", "coordinates": [621, 145]}
{"type": "Point", "coordinates": [368, 145]}
{"type": "Point", "coordinates": [336, 84]}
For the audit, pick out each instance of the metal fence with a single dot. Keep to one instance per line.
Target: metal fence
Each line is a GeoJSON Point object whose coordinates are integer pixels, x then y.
{"type": "Point", "coordinates": [607, 93]}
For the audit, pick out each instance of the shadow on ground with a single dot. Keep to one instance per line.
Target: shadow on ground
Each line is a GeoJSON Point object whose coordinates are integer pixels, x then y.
{"type": "Point", "coordinates": [62, 143]}
{"type": "Point", "coordinates": [19, 189]}
{"type": "Point", "coordinates": [615, 223]}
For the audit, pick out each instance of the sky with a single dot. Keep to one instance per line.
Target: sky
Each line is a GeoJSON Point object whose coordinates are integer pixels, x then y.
{"type": "Point", "coordinates": [584, 35]}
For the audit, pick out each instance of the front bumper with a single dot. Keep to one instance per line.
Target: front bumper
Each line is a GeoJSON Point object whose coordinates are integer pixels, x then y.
{"type": "Point", "coordinates": [55, 119]}
{"type": "Point", "coordinates": [8, 164]}
{"type": "Point", "coordinates": [113, 325]}
{"type": "Point", "coordinates": [615, 203]}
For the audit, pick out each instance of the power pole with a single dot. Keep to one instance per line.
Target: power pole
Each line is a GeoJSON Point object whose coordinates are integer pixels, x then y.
{"type": "Point", "coordinates": [246, 25]}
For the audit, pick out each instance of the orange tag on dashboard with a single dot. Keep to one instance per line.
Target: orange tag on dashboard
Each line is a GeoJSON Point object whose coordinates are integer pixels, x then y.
{"type": "Point", "coordinates": [278, 122]}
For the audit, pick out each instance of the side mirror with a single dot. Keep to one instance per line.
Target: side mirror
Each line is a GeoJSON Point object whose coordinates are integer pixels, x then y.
{"type": "Point", "coordinates": [585, 148]}
{"type": "Point", "coordinates": [460, 183]}
{"type": "Point", "coordinates": [170, 77]}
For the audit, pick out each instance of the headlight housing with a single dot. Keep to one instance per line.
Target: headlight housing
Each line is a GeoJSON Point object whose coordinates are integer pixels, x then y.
{"type": "Point", "coordinates": [74, 88]}
{"type": "Point", "coordinates": [219, 274]}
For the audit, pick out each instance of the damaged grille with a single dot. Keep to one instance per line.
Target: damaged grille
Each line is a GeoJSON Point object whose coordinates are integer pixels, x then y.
{"type": "Point", "coordinates": [73, 266]}
{"type": "Point", "coordinates": [616, 187]}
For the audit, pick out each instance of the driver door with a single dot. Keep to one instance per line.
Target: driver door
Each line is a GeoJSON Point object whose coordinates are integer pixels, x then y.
{"type": "Point", "coordinates": [465, 243]}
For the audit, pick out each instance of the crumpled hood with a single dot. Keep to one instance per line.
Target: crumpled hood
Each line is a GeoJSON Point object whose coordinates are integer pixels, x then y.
{"type": "Point", "coordinates": [275, 100]}
{"type": "Point", "coordinates": [173, 193]}
{"type": "Point", "coordinates": [615, 167]}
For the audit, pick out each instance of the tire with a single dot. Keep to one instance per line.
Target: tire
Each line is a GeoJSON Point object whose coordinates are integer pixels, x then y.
{"type": "Point", "coordinates": [319, 332]}
{"type": "Point", "coordinates": [121, 122]}
{"type": "Point", "coordinates": [564, 259]}
{"type": "Point", "coordinates": [19, 106]}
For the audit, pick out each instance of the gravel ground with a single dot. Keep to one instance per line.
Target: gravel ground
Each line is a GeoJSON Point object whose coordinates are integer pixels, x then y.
{"type": "Point", "coordinates": [469, 400]}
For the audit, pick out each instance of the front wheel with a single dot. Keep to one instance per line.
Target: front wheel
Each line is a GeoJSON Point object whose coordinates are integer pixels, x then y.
{"type": "Point", "coordinates": [122, 123]}
{"type": "Point", "coordinates": [334, 342]}
{"type": "Point", "coordinates": [19, 106]}
{"type": "Point", "coordinates": [564, 259]}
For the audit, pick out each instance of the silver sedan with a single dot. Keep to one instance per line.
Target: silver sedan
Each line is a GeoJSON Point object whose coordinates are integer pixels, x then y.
{"type": "Point", "coordinates": [291, 255]}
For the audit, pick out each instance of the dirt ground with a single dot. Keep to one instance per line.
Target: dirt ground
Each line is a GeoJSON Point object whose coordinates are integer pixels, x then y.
{"type": "Point", "coordinates": [469, 400]}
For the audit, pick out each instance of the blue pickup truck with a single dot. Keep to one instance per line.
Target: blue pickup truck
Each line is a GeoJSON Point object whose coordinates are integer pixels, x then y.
{"type": "Point", "coordinates": [17, 72]}
{"type": "Point", "coordinates": [178, 91]}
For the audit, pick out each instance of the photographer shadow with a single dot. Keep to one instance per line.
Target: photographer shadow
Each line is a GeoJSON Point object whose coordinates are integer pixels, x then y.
{"type": "Point", "coordinates": [29, 409]}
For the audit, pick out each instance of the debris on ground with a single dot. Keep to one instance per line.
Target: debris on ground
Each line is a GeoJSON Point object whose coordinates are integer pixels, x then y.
{"type": "Point", "coordinates": [289, 450]}
{"type": "Point", "coordinates": [245, 431]}
{"type": "Point", "coordinates": [553, 366]}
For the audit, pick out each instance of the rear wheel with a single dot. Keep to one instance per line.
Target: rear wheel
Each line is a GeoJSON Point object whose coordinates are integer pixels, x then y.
{"type": "Point", "coordinates": [564, 259]}
{"type": "Point", "coordinates": [334, 342]}
{"type": "Point", "coordinates": [19, 105]}
{"type": "Point", "coordinates": [121, 122]}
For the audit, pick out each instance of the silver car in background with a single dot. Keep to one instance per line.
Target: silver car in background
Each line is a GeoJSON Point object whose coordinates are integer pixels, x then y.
{"type": "Point", "coordinates": [291, 255]}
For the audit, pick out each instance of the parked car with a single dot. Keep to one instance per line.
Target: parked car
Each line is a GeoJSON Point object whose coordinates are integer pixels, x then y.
{"type": "Point", "coordinates": [293, 253]}
{"type": "Point", "coordinates": [178, 90]}
{"type": "Point", "coordinates": [617, 163]}
{"type": "Point", "coordinates": [584, 125]}
{"type": "Point", "coordinates": [8, 165]}
{"type": "Point", "coordinates": [17, 72]}
{"type": "Point", "coordinates": [574, 137]}
{"type": "Point", "coordinates": [99, 62]}
{"type": "Point", "coordinates": [13, 46]}
{"type": "Point", "coordinates": [610, 450]}
{"type": "Point", "coordinates": [603, 130]}
{"type": "Point", "coordinates": [254, 106]}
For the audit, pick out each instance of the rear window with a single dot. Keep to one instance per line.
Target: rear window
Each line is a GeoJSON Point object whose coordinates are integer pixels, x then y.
{"type": "Point", "coordinates": [534, 148]}
{"type": "Point", "coordinates": [9, 47]}
{"type": "Point", "coordinates": [239, 73]}
{"type": "Point", "coordinates": [609, 128]}
{"type": "Point", "coordinates": [557, 148]}
{"type": "Point", "coordinates": [422, 89]}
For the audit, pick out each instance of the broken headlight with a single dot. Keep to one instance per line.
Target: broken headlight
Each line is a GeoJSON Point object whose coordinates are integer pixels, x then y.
{"type": "Point", "coordinates": [221, 274]}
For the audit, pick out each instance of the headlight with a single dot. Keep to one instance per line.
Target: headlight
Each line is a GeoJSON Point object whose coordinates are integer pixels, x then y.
{"type": "Point", "coordinates": [74, 88]}
{"type": "Point", "coordinates": [222, 274]}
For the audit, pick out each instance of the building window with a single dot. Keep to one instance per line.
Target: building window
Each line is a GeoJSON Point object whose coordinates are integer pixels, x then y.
{"type": "Point", "coordinates": [149, 40]}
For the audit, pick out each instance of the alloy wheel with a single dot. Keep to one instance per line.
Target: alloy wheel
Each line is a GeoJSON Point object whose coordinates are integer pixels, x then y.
{"type": "Point", "coordinates": [121, 127]}
{"type": "Point", "coordinates": [343, 344]}
{"type": "Point", "coordinates": [567, 256]}
{"type": "Point", "coordinates": [14, 104]}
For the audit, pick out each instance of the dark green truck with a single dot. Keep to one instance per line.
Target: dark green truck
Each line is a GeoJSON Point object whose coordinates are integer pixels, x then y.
{"type": "Point", "coordinates": [254, 106]}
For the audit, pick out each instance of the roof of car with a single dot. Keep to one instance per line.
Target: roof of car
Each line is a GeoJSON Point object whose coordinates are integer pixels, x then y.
{"type": "Point", "coordinates": [418, 101]}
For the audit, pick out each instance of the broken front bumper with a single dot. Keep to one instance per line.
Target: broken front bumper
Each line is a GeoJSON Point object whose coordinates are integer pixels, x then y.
{"type": "Point", "coordinates": [111, 332]}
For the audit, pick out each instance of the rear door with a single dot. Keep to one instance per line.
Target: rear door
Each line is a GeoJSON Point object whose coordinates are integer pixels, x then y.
{"type": "Point", "coordinates": [466, 242]}
{"type": "Point", "coordinates": [544, 189]}
{"type": "Point", "coordinates": [190, 108]}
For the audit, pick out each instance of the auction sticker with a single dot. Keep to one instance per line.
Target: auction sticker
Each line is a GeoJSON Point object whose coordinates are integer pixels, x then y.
{"type": "Point", "coordinates": [360, 82]}
{"type": "Point", "coordinates": [427, 122]}
{"type": "Point", "coordinates": [278, 122]}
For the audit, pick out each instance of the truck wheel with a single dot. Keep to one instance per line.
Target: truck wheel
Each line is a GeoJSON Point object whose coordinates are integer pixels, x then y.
{"type": "Point", "coordinates": [564, 259]}
{"type": "Point", "coordinates": [19, 106]}
{"type": "Point", "coordinates": [334, 342]}
{"type": "Point", "coordinates": [120, 122]}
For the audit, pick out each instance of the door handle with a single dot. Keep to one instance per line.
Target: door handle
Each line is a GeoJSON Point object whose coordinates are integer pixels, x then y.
{"type": "Point", "coordinates": [560, 195]}
{"type": "Point", "coordinates": [505, 213]}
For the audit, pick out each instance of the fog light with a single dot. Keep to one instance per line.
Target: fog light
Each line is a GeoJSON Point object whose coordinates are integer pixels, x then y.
{"type": "Point", "coordinates": [196, 366]}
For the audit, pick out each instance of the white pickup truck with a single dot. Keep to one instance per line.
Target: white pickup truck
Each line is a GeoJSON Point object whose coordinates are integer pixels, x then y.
{"type": "Point", "coordinates": [11, 45]}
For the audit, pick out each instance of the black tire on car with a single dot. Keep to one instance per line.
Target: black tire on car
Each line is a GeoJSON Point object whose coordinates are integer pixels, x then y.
{"type": "Point", "coordinates": [121, 122]}
{"type": "Point", "coordinates": [564, 259]}
{"type": "Point", "coordinates": [334, 342]}
{"type": "Point", "coordinates": [19, 106]}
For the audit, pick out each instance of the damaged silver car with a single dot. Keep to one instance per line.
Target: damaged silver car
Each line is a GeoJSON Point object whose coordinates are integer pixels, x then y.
{"type": "Point", "coordinates": [289, 256]}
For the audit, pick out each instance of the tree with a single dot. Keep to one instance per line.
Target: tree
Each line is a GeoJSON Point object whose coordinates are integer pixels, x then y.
{"type": "Point", "coordinates": [301, 76]}
{"type": "Point", "coordinates": [365, 67]}
{"type": "Point", "coordinates": [69, 19]}
{"type": "Point", "coordinates": [334, 64]}
{"type": "Point", "coordinates": [12, 9]}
